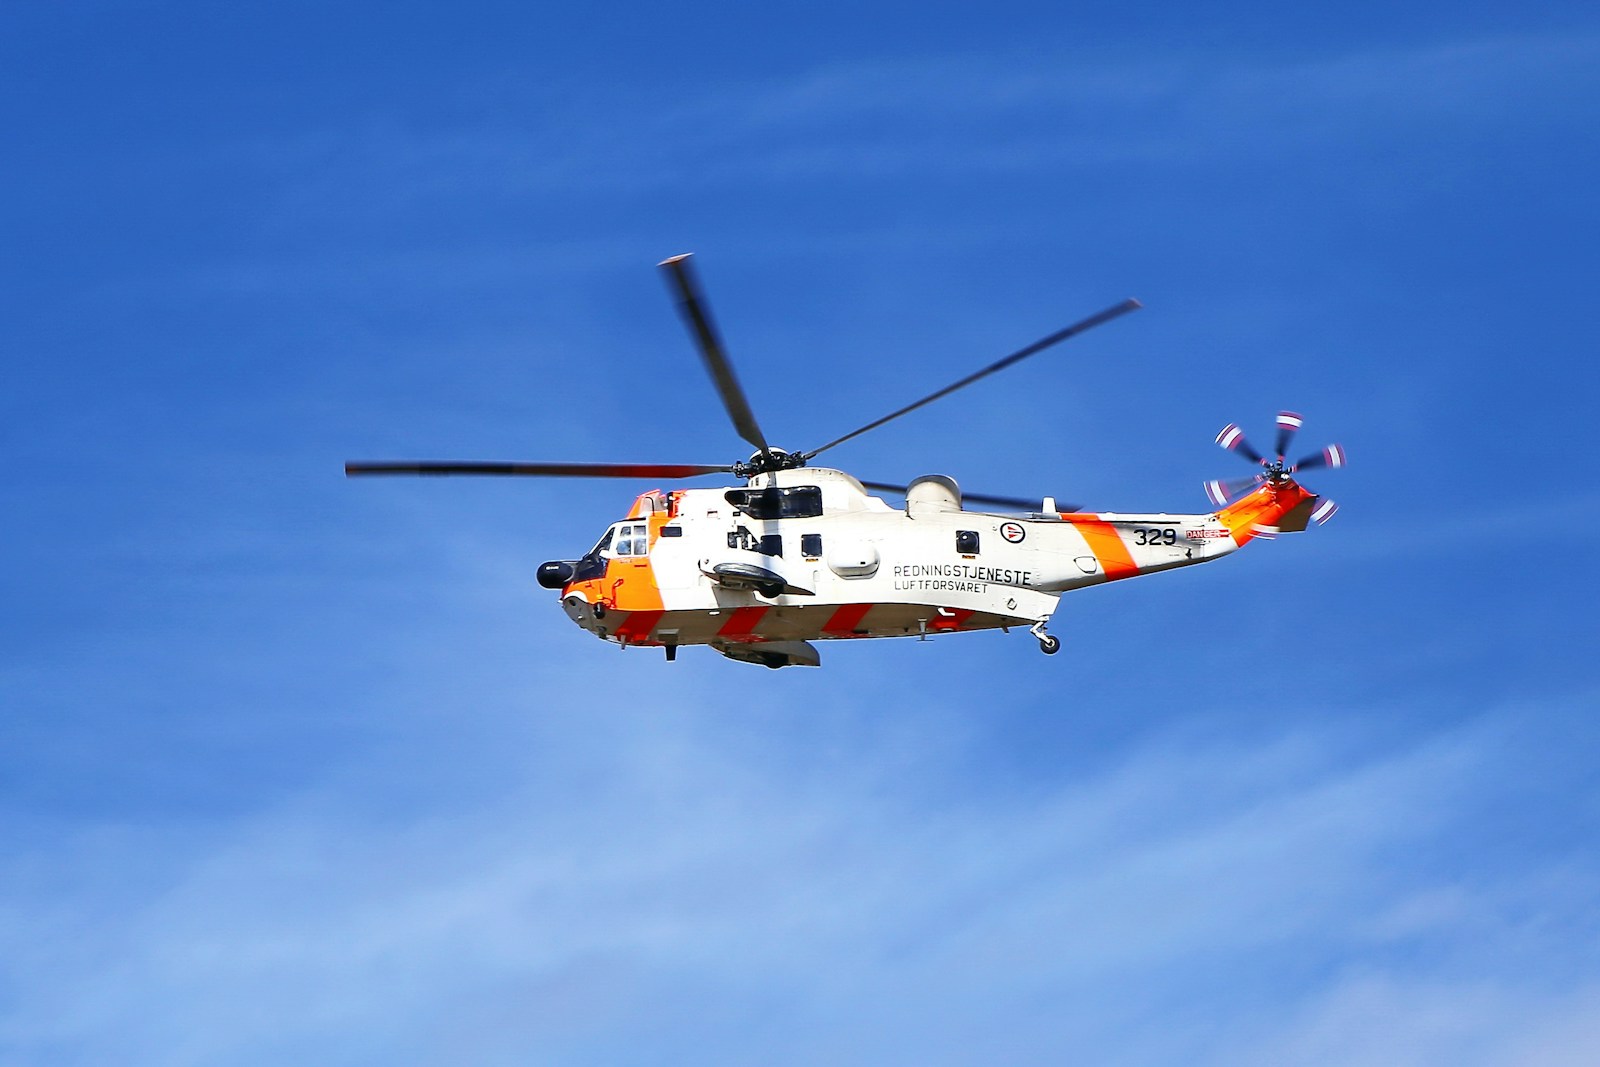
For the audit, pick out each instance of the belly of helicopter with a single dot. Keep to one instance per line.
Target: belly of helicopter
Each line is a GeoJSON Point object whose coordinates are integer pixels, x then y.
{"type": "Point", "coordinates": [757, 623]}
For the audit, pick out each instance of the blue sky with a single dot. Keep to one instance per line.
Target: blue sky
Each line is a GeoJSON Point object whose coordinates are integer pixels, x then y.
{"type": "Point", "coordinates": [295, 768]}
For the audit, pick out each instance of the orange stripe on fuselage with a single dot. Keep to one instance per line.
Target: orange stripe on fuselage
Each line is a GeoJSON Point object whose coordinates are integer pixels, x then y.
{"type": "Point", "coordinates": [1106, 544]}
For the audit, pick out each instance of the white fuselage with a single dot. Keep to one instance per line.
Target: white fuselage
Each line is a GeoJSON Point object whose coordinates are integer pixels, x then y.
{"type": "Point", "coordinates": [809, 554]}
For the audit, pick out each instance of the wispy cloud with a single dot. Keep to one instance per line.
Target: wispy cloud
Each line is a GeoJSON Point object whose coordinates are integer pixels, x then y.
{"type": "Point", "coordinates": [680, 882]}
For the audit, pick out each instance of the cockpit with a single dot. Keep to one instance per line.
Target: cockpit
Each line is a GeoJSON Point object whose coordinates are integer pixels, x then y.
{"type": "Point", "coordinates": [628, 539]}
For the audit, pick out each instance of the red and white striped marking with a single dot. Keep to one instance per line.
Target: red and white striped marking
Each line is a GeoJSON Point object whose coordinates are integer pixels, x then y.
{"type": "Point", "coordinates": [741, 625]}
{"type": "Point", "coordinates": [846, 621]}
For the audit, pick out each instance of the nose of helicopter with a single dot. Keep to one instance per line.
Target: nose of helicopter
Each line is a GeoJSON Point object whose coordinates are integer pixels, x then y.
{"type": "Point", "coordinates": [556, 573]}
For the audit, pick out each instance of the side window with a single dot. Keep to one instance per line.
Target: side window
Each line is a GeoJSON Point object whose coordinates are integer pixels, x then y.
{"type": "Point", "coordinates": [967, 542]}
{"type": "Point", "coordinates": [766, 544]}
{"type": "Point", "coordinates": [633, 540]}
{"type": "Point", "coordinates": [811, 546]}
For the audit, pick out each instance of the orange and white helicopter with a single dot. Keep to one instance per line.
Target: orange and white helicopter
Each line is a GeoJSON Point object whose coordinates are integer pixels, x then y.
{"type": "Point", "coordinates": [797, 553]}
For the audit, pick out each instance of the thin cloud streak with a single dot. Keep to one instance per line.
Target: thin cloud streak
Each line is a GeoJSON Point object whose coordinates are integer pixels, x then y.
{"type": "Point", "coordinates": [950, 119]}
{"type": "Point", "coordinates": [887, 120]}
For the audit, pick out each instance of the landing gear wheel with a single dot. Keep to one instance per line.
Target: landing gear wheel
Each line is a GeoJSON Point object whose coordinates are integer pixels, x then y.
{"type": "Point", "coordinates": [1049, 644]}
{"type": "Point", "coordinates": [771, 590]}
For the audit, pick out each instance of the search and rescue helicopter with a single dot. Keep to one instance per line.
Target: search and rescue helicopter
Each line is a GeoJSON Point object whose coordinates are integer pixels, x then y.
{"type": "Point", "coordinates": [797, 553]}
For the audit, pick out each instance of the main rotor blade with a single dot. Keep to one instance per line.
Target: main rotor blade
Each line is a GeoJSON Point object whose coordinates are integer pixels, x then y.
{"type": "Point", "coordinates": [1016, 503]}
{"type": "Point", "coordinates": [537, 470]}
{"type": "Point", "coordinates": [1016, 357]}
{"type": "Point", "coordinates": [1019, 503]}
{"type": "Point", "coordinates": [692, 305]}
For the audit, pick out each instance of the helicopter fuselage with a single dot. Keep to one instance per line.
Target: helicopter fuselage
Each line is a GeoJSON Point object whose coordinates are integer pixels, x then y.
{"type": "Point", "coordinates": [809, 554]}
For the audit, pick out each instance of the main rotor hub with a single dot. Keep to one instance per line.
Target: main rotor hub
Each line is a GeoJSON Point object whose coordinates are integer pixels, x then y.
{"type": "Point", "coordinates": [773, 459]}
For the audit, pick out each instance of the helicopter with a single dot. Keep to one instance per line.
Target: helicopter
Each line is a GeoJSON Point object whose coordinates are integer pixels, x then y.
{"type": "Point", "coordinates": [797, 554]}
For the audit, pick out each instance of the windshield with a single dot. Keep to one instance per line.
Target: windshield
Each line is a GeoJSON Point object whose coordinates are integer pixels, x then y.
{"type": "Point", "coordinates": [625, 539]}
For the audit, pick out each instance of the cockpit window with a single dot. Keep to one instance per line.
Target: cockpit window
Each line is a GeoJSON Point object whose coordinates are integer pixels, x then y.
{"type": "Point", "coordinates": [778, 502]}
{"type": "Point", "coordinates": [605, 542]}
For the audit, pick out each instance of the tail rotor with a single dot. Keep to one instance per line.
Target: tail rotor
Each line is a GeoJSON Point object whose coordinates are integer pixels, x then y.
{"type": "Point", "coordinates": [1276, 471]}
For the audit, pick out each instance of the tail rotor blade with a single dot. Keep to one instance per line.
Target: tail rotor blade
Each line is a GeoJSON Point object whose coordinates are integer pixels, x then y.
{"type": "Point", "coordinates": [1232, 438]}
{"type": "Point", "coordinates": [1332, 456]}
{"type": "Point", "coordinates": [692, 306]}
{"type": "Point", "coordinates": [1220, 492]}
{"type": "Point", "coordinates": [1288, 424]}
